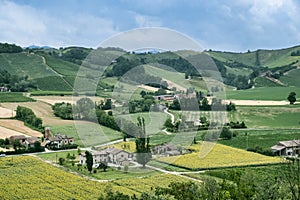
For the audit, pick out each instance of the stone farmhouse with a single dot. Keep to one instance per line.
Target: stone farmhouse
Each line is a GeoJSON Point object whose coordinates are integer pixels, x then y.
{"type": "Point", "coordinates": [59, 140]}
{"type": "Point", "coordinates": [287, 148]}
{"type": "Point", "coordinates": [108, 155]}
{"type": "Point", "coordinates": [28, 142]}
{"type": "Point", "coordinates": [166, 149]}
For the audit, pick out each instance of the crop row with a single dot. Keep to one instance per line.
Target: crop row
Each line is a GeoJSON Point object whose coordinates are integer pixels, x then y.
{"type": "Point", "coordinates": [29, 178]}
{"type": "Point", "coordinates": [219, 156]}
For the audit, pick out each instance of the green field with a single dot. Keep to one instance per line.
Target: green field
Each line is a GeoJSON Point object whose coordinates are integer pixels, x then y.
{"type": "Point", "coordinates": [14, 97]}
{"type": "Point", "coordinates": [262, 93]}
{"type": "Point", "coordinates": [23, 64]}
{"type": "Point", "coordinates": [154, 121]}
{"type": "Point", "coordinates": [262, 138]}
{"type": "Point", "coordinates": [264, 82]}
{"type": "Point", "coordinates": [267, 58]}
{"type": "Point", "coordinates": [87, 133]}
{"type": "Point", "coordinates": [50, 93]}
{"type": "Point", "coordinates": [292, 78]}
{"type": "Point", "coordinates": [267, 116]}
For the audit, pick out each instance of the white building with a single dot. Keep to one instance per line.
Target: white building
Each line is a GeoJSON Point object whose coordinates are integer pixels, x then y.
{"type": "Point", "coordinates": [108, 155]}
{"type": "Point", "coordinates": [287, 148]}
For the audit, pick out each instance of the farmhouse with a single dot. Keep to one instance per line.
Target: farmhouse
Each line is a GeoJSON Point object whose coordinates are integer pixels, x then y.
{"type": "Point", "coordinates": [28, 142]}
{"type": "Point", "coordinates": [108, 155]}
{"type": "Point", "coordinates": [59, 140]}
{"type": "Point", "coordinates": [20, 138]}
{"type": "Point", "coordinates": [166, 149]}
{"type": "Point", "coordinates": [287, 148]}
{"type": "Point", "coordinates": [164, 97]}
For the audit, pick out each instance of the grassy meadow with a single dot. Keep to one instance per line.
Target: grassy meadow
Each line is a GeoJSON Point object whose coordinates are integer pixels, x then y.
{"type": "Point", "coordinates": [14, 97]}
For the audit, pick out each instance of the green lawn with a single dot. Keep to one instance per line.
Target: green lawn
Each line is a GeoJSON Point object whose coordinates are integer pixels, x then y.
{"type": "Point", "coordinates": [13, 97]}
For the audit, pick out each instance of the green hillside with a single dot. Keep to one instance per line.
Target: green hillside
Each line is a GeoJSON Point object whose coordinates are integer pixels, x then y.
{"type": "Point", "coordinates": [56, 69]}
{"type": "Point", "coordinates": [263, 58]}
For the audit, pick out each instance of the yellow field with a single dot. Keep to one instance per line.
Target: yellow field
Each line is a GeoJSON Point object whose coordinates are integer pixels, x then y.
{"type": "Point", "coordinates": [128, 146]}
{"type": "Point", "coordinates": [220, 156]}
{"type": "Point", "coordinates": [26, 177]}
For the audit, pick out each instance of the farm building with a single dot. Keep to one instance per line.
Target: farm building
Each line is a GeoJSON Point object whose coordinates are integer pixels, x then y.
{"type": "Point", "coordinates": [59, 140]}
{"type": "Point", "coordinates": [164, 97]}
{"type": "Point", "coordinates": [28, 142]}
{"type": "Point", "coordinates": [20, 138]}
{"type": "Point", "coordinates": [108, 155]}
{"type": "Point", "coordinates": [166, 149]}
{"type": "Point", "coordinates": [287, 148]}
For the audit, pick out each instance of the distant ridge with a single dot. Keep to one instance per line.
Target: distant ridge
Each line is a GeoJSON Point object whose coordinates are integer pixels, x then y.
{"type": "Point", "coordinates": [37, 47]}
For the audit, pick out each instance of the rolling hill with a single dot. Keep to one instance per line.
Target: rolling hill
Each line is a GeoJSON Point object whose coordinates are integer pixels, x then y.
{"type": "Point", "coordinates": [56, 69]}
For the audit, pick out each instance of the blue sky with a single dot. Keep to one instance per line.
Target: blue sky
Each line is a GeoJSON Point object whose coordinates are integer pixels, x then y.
{"type": "Point", "coordinates": [231, 25]}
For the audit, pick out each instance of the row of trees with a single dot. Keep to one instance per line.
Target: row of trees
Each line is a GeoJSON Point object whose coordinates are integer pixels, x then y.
{"type": "Point", "coordinates": [10, 48]}
{"type": "Point", "coordinates": [29, 118]}
{"type": "Point", "coordinates": [194, 104]}
{"type": "Point", "coordinates": [15, 83]}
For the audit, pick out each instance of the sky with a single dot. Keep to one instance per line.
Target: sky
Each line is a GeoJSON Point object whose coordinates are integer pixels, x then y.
{"type": "Point", "coordinates": [231, 25]}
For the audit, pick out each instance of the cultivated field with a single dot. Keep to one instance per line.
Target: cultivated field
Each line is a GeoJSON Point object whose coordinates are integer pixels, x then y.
{"type": "Point", "coordinates": [22, 173]}
{"type": "Point", "coordinates": [219, 157]}
{"type": "Point", "coordinates": [267, 116]}
{"type": "Point", "coordinates": [6, 133]}
{"type": "Point", "coordinates": [59, 99]}
{"type": "Point", "coordinates": [6, 113]}
{"type": "Point", "coordinates": [17, 127]}
{"type": "Point", "coordinates": [40, 109]}
{"type": "Point", "coordinates": [257, 102]}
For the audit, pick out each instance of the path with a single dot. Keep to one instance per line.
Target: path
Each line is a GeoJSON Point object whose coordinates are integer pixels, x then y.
{"type": "Point", "coordinates": [172, 116]}
{"type": "Point", "coordinates": [56, 72]}
{"type": "Point", "coordinates": [181, 174]}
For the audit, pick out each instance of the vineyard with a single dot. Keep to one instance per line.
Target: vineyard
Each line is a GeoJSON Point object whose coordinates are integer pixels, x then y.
{"type": "Point", "coordinates": [219, 157]}
{"type": "Point", "coordinates": [26, 177]}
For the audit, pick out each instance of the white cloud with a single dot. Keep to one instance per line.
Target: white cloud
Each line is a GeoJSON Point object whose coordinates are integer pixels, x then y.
{"type": "Point", "coordinates": [146, 21]}
{"type": "Point", "coordinates": [25, 25]}
{"type": "Point", "coordinates": [19, 23]}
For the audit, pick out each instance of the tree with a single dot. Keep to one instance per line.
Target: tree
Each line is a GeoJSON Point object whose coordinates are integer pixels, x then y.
{"type": "Point", "coordinates": [142, 143]}
{"type": "Point", "coordinates": [103, 165]}
{"type": "Point", "coordinates": [89, 161]}
{"type": "Point", "coordinates": [126, 168]}
{"type": "Point", "coordinates": [84, 109]}
{"type": "Point", "coordinates": [226, 133]}
{"type": "Point", "coordinates": [169, 125]}
{"type": "Point", "coordinates": [17, 145]}
{"type": "Point", "coordinates": [37, 146]}
{"type": "Point", "coordinates": [292, 97]}
{"type": "Point", "coordinates": [61, 161]}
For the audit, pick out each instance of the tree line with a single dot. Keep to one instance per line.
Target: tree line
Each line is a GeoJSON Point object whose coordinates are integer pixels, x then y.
{"type": "Point", "coordinates": [10, 48]}
{"type": "Point", "coordinates": [29, 118]}
{"type": "Point", "coordinates": [15, 83]}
